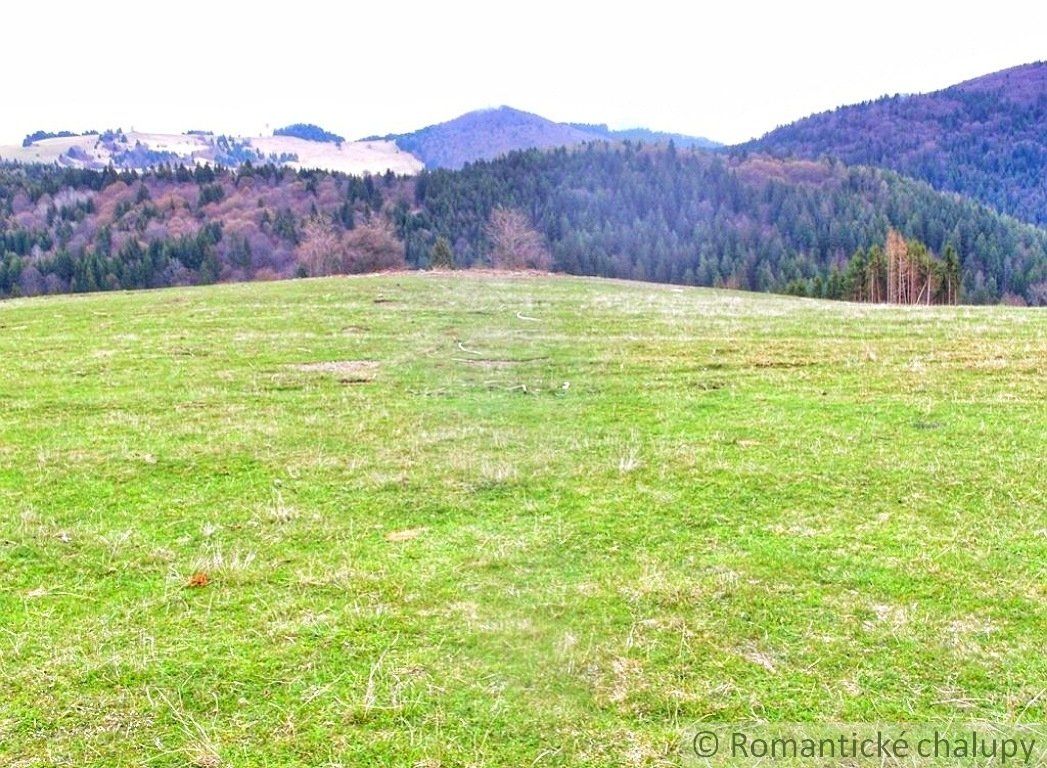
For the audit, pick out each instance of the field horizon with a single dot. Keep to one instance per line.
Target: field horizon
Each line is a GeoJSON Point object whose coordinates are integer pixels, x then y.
{"type": "Point", "coordinates": [479, 518]}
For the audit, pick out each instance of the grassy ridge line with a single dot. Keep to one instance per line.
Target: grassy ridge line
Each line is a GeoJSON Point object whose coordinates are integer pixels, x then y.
{"type": "Point", "coordinates": [480, 538]}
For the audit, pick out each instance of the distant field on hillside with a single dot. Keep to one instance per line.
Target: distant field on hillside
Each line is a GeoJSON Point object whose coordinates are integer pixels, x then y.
{"type": "Point", "coordinates": [433, 519]}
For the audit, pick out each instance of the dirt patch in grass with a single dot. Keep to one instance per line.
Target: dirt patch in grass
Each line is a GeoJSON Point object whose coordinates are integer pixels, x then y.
{"type": "Point", "coordinates": [498, 362]}
{"type": "Point", "coordinates": [766, 362]}
{"type": "Point", "coordinates": [487, 363]}
{"type": "Point", "coordinates": [347, 371]}
{"type": "Point", "coordinates": [405, 535]}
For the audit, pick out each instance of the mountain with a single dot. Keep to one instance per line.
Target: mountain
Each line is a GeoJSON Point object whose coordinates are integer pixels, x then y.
{"type": "Point", "coordinates": [490, 133]}
{"type": "Point", "coordinates": [136, 150]}
{"type": "Point", "coordinates": [985, 138]}
{"type": "Point", "coordinates": [485, 134]}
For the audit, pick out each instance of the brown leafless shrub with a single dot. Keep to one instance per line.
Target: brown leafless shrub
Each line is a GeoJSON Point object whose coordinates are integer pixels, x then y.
{"type": "Point", "coordinates": [1038, 294]}
{"type": "Point", "coordinates": [266, 274]}
{"type": "Point", "coordinates": [1013, 300]}
{"type": "Point", "coordinates": [320, 249]}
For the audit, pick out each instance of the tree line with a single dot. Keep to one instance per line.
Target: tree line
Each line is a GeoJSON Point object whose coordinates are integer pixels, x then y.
{"type": "Point", "coordinates": [622, 210]}
{"type": "Point", "coordinates": [74, 230]}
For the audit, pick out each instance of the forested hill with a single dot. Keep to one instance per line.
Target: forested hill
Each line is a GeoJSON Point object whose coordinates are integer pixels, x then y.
{"type": "Point", "coordinates": [80, 230]}
{"type": "Point", "coordinates": [489, 133]}
{"type": "Point", "coordinates": [616, 210]}
{"type": "Point", "coordinates": [486, 133]}
{"type": "Point", "coordinates": [698, 218]}
{"type": "Point", "coordinates": [985, 138]}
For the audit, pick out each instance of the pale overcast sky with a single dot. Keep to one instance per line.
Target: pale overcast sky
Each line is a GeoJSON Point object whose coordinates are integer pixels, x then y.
{"type": "Point", "coordinates": [727, 70]}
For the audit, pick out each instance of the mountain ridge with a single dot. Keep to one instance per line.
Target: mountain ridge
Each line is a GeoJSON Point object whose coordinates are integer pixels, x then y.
{"type": "Point", "coordinates": [985, 138]}
{"type": "Point", "coordinates": [481, 134]}
{"type": "Point", "coordinates": [648, 135]}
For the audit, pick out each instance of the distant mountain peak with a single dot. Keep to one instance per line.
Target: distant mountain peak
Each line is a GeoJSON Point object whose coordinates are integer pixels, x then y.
{"type": "Point", "coordinates": [484, 134]}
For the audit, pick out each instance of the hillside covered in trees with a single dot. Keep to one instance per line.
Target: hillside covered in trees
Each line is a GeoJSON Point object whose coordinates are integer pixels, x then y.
{"type": "Point", "coordinates": [79, 230]}
{"type": "Point", "coordinates": [617, 210]}
{"type": "Point", "coordinates": [985, 138]}
{"type": "Point", "coordinates": [698, 218]}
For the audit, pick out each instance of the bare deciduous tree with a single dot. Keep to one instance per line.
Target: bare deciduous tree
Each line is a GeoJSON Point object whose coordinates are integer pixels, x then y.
{"type": "Point", "coordinates": [320, 249]}
{"type": "Point", "coordinates": [515, 244]}
{"type": "Point", "coordinates": [326, 250]}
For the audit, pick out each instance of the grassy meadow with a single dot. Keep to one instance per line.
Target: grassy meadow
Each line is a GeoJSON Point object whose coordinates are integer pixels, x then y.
{"type": "Point", "coordinates": [489, 520]}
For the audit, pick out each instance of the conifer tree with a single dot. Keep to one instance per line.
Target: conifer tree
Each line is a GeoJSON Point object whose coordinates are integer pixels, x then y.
{"type": "Point", "coordinates": [441, 256]}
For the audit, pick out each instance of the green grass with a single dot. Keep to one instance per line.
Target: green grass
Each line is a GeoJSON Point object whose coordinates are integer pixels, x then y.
{"type": "Point", "coordinates": [615, 509]}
